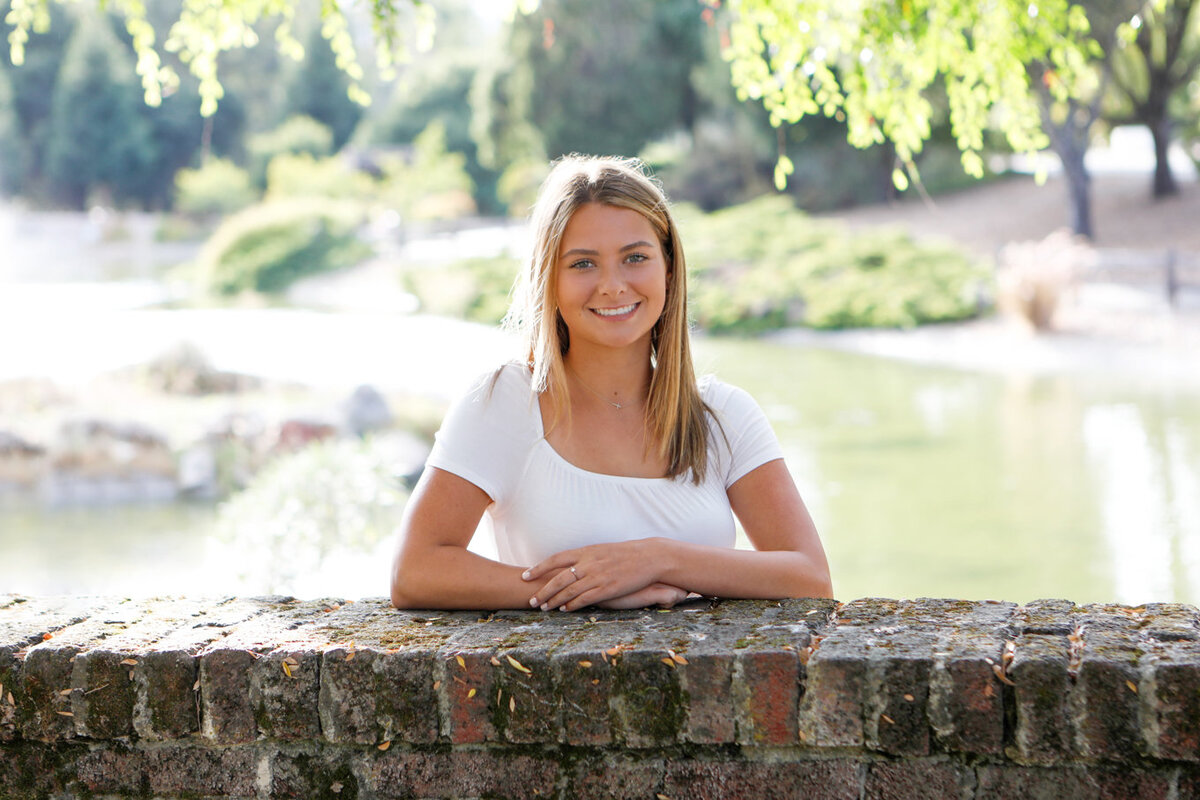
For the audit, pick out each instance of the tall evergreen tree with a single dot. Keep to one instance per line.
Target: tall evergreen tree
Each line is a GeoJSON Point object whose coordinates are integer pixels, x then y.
{"type": "Point", "coordinates": [99, 138]}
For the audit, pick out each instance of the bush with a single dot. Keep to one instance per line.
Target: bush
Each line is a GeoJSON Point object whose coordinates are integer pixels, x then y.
{"type": "Point", "coordinates": [476, 288]}
{"type": "Point", "coordinates": [217, 187]}
{"type": "Point", "coordinates": [763, 265]}
{"type": "Point", "coordinates": [268, 246]}
{"type": "Point", "coordinates": [298, 134]}
{"type": "Point", "coordinates": [302, 175]}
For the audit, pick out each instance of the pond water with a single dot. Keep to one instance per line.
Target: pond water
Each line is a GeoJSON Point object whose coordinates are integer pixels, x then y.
{"type": "Point", "coordinates": [924, 481]}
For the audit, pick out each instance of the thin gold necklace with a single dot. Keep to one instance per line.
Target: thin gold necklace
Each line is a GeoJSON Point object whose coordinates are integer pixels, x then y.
{"type": "Point", "coordinates": [593, 391]}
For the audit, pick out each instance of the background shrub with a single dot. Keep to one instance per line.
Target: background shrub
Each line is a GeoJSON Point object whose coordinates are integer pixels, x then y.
{"type": "Point", "coordinates": [217, 187]}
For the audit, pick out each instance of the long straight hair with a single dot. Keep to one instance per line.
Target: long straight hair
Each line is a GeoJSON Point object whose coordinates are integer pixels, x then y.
{"type": "Point", "coordinates": [675, 414]}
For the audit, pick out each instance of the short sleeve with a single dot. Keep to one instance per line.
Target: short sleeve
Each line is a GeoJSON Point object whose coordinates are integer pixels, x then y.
{"type": "Point", "coordinates": [487, 434]}
{"type": "Point", "coordinates": [744, 438]}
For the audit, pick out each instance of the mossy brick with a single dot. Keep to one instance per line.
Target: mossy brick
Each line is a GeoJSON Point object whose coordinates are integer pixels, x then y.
{"type": "Point", "coordinates": [832, 707]}
{"type": "Point", "coordinates": [647, 701]}
{"type": "Point", "coordinates": [526, 695]}
{"type": "Point", "coordinates": [466, 681]}
{"type": "Point", "coordinates": [1171, 622]}
{"type": "Point", "coordinates": [1045, 617]}
{"type": "Point", "coordinates": [1093, 782]}
{"type": "Point", "coordinates": [697, 779]}
{"type": "Point", "coordinates": [371, 696]}
{"type": "Point", "coordinates": [309, 773]}
{"type": "Point", "coordinates": [898, 677]}
{"type": "Point", "coordinates": [167, 674]}
{"type": "Point", "coordinates": [1170, 692]}
{"type": "Point", "coordinates": [583, 679]}
{"type": "Point", "coordinates": [1104, 700]}
{"type": "Point", "coordinates": [228, 713]}
{"type": "Point", "coordinates": [707, 682]}
{"type": "Point", "coordinates": [284, 690]}
{"type": "Point", "coordinates": [614, 775]}
{"type": "Point", "coordinates": [867, 611]}
{"type": "Point", "coordinates": [1044, 733]}
{"type": "Point", "coordinates": [914, 778]}
{"type": "Point", "coordinates": [765, 690]}
{"type": "Point", "coordinates": [104, 693]}
{"type": "Point", "coordinates": [966, 698]}
{"type": "Point", "coordinates": [44, 687]}
{"type": "Point", "coordinates": [35, 770]}
{"type": "Point", "coordinates": [814, 612]}
{"type": "Point", "coordinates": [497, 772]}
{"type": "Point", "coordinates": [170, 770]}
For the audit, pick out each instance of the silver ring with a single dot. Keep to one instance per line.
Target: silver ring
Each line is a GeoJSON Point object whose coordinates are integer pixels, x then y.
{"type": "Point", "coordinates": [576, 574]}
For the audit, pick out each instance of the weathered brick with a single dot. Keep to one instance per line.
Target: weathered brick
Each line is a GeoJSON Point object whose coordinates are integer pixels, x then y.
{"type": "Point", "coordinates": [1171, 622]}
{"type": "Point", "coordinates": [369, 696]}
{"type": "Point", "coordinates": [169, 770]}
{"type": "Point", "coordinates": [615, 776]}
{"type": "Point", "coordinates": [583, 676]}
{"type": "Point", "coordinates": [898, 693]}
{"type": "Point", "coordinates": [647, 701]}
{"type": "Point", "coordinates": [832, 708]}
{"type": "Point", "coordinates": [284, 690]}
{"type": "Point", "coordinates": [456, 773]}
{"type": "Point", "coordinates": [1045, 618]}
{"type": "Point", "coordinates": [1003, 782]}
{"type": "Point", "coordinates": [966, 698]}
{"type": "Point", "coordinates": [909, 779]}
{"type": "Point", "coordinates": [310, 774]}
{"type": "Point", "coordinates": [815, 780]}
{"type": "Point", "coordinates": [1171, 698]}
{"type": "Point", "coordinates": [766, 694]}
{"type": "Point", "coordinates": [1104, 700]}
{"type": "Point", "coordinates": [1044, 731]}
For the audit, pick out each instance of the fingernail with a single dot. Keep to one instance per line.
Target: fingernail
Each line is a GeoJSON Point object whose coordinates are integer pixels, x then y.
{"type": "Point", "coordinates": [545, 606]}
{"type": "Point", "coordinates": [533, 602]}
{"type": "Point", "coordinates": [525, 575]}
{"type": "Point", "coordinates": [562, 608]}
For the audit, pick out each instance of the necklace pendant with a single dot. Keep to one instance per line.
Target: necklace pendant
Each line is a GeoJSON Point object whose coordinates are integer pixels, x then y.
{"type": "Point", "coordinates": [616, 405]}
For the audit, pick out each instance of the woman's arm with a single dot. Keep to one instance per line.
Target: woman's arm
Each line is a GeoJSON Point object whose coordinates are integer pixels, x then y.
{"type": "Point", "coordinates": [788, 560]}
{"type": "Point", "coordinates": [432, 567]}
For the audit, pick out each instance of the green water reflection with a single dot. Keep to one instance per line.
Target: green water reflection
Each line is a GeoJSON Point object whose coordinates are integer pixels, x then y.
{"type": "Point", "coordinates": [937, 482]}
{"type": "Point", "coordinates": [924, 482]}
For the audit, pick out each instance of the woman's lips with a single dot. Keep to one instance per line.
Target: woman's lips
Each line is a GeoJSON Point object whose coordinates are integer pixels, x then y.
{"type": "Point", "coordinates": [618, 312]}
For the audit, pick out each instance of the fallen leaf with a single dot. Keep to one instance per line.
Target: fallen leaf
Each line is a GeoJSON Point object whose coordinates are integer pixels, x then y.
{"type": "Point", "coordinates": [196, 686]}
{"type": "Point", "coordinates": [461, 662]}
{"type": "Point", "coordinates": [612, 651]}
{"type": "Point", "coordinates": [679, 659]}
{"type": "Point", "coordinates": [287, 668]}
{"type": "Point", "coordinates": [47, 637]}
{"type": "Point", "coordinates": [437, 685]}
{"type": "Point", "coordinates": [1001, 676]}
{"type": "Point", "coordinates": [385, 745]}
{"type": "Point", "coordinates": [65, 713]}
{"type": "Point", "coordinates": [595, 681]}
{"type": "Point", "coordinates": [517, 665]}
{"type": "Point", "coordinates": [336, 787]}
{"type": "Point", "coordinates": [495, 661]}
{"type": "Point", "coordinates": [1130, 684]}
{"type": "Point", "coordinates": [585, 664]}
{"type": "Point", "coordinates": [349, 655]}
{"type": "Point", "coordinates": [65, 692]}
{"type": "Point", "coordinates": [471, 693]}
{"type": "Point", "coordinates": [887, 719]}
{"type": "Point", "coordinates": [810, 613]}
{"type": "Point", "coordinates": [98, 688]}
{"type": "Point", "coordinates": [909, 697]}
{"type": "Point", "coordinates": [512, 704]}
{"type": "Point", "coordinates": [789, 647]}
{"type": "Point", "coordinates": [10, 699]}
{"type": "Point", "coordinates": [661, 797]}
{"type": "Point", "coordinates": [130, 662]}
{"type": "Point", "coordinates": [669, 662]}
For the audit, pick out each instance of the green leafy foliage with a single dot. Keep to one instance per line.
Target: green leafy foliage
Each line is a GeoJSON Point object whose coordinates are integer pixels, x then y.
{"type": "Point", "coordinates": [298, 134]}
{"type": "Point", "coordinates": [268, 246]}
{"type": "Point", "coordinates": [876, 63]}
{"type": "Point", "coordinates": [318, 89]}
{"type": "Point", "coordinates": [431, 184]}
{"type": "Point", "coordinates": [476, 289]}
{"type": "Point", "coordinates": [217, 187]}
{"type": "Point", "coordinates": [763, 265]}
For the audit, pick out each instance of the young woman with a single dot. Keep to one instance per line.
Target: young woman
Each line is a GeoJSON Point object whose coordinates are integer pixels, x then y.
{"type": "Point", "coordinates": [608, 474]}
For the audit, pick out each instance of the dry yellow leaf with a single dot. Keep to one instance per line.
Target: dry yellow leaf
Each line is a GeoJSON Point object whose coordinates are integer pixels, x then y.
{"type": "Point", "coordinates": [612, 651]}
{"type": "Point", "coordinates": [495, 661]}
{"type": "Point", "coordinates": [887, 719]}
{"type": "Point", "coordinates": [461, 662]}
{"type": "Point", "coordinates": [595, 681]}
{"type": "Point", "coordinates": [471, 693]}
{"type": "Point", "coordinates": [65, 713]}
{"type": "Point", "coordinates": [670, 662]}
{"type": "Point", "coordinates": [349, 655]}
{"type": "Point", "coordinates": [909, 697]}
{"type": "Point", "coordinates": [517, 665]}
{"type": "Point", "coordinates": [287, 668]}
{"type": "Point", "coordinates": [196, 686]}
{"type": "Point", "coordinates": [10, 699]}
{"type": "Point", "coordinates": [65, 691]}
{"type": "Point", "coordinates": [678, 659]}
{"type": "Point", "coordinates": [1130, 684]}
{"type": "Point", "coordinates": [437, 685]}
{"type": "Point", "coordinates": [512, 704]}
{"type": "Point", "coordinates": [585, 664]}
{"type": "Point", "coordinates": [385, 745]}
{"type": "Point", "coordinates": [130, 662]}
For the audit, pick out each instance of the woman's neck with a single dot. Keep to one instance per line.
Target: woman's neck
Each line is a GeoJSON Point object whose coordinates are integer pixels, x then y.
{"type": "Point", "coordinates": [619, 378]}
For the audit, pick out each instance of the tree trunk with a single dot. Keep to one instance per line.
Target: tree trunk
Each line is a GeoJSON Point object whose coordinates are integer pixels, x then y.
{"type": "Point", "coordinates": [1164, 180]}
{"type": "Point", "coordinates": [1079, 185]}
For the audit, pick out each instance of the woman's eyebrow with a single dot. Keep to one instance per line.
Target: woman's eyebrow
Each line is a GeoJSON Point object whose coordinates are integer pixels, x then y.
{"type": "Point", "coordinates": [581, 251]}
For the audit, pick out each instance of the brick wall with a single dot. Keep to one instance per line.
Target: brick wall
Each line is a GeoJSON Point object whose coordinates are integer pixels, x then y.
{"type": "Point", "coordinates": [279, 698]}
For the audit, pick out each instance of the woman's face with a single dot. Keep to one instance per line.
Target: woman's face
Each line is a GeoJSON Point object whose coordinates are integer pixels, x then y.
{"type": "Point", "coordinates": [611, 278]}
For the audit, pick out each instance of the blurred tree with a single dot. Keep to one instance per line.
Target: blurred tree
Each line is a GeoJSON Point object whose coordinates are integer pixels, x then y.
{"type": "Point", "coordinates": [595, 77]}
{"type": "Point", "coordinates": [10, 140]}
{"type": "Point", "coordinates": [1152, 74]}
{"type": "Point", "coordinates": [318, 89]}
{"type": "Point", "coordinates": [99, 139]}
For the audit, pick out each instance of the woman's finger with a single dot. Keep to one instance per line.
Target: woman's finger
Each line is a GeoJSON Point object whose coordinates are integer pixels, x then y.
{"type": "Point", "coordinates": [557, 561]}
{"type": "Point", "coordinates": [566, 592]}
{"type": "Point", "coordinates": [552, 587]}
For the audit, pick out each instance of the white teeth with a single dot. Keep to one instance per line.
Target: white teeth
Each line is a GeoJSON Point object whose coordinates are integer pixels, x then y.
{"type": "Point", "coordinates": [615, 312]}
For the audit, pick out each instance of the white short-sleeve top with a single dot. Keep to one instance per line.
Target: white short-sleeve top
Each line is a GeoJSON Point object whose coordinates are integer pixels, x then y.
{"type": "Point", "coordinates": [543, 504]}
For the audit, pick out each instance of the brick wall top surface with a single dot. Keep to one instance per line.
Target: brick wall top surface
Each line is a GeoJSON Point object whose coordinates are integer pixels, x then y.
{"type": "Point", "coordinates": [1047, 683]}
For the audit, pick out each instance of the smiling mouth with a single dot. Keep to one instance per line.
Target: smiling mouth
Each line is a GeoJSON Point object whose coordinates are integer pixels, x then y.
{"type": "Point", "coordinates": [615, 312]}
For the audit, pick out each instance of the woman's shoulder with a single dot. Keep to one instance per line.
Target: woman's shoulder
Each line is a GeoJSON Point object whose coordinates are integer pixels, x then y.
{"type": "Point", "coordinates": [724, 397]}
{"type": "Point", "coordinates": [507, 386]}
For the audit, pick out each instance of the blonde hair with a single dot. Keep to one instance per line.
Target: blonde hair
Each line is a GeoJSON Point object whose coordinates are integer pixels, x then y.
{"type": "Point", "coordinates": [675, 414]}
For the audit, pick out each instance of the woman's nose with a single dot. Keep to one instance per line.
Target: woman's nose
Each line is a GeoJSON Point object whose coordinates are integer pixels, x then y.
{"type": "Point", "coordinates": [612, 279]}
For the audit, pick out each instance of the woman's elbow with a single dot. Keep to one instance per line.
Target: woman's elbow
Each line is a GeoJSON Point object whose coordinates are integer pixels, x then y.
{"type": "Point", "coordinates": [405, 591]}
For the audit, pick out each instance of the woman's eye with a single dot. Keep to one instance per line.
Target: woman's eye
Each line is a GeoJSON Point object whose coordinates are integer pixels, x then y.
{"type": "Point", "coordinates": [582, 263]}
{"type": "Point", "coordinates": [637, 258]}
